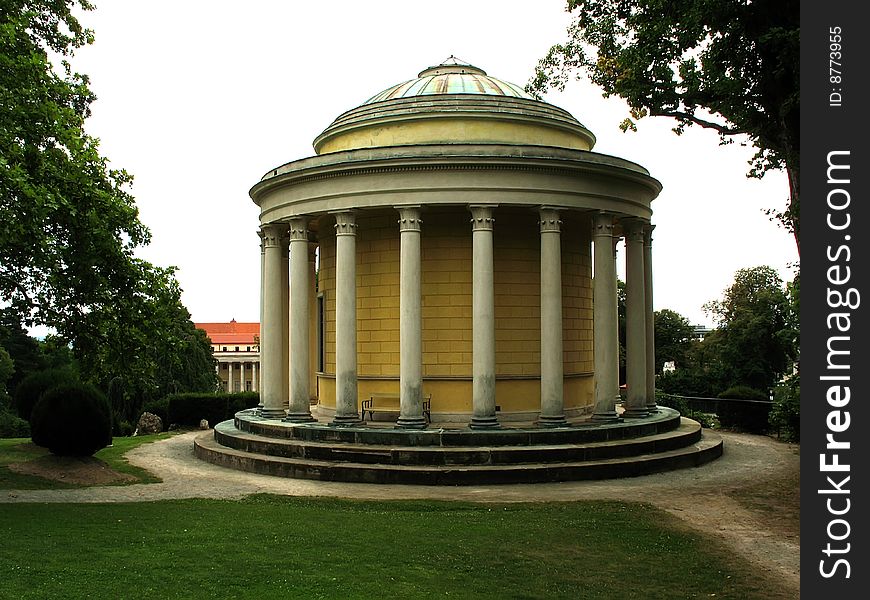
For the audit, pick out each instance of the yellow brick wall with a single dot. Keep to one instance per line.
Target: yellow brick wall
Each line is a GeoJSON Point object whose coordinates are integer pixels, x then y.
{"type": "Point", "coordinates": [446, 305]}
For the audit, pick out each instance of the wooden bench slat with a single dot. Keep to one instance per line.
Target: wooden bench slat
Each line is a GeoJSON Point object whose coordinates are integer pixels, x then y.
{"type": "Point", "coordinates": [390, 402]}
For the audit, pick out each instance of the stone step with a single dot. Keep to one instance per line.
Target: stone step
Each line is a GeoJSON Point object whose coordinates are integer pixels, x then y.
{"type": "Point", "coordinates": [226, 434]}
{"type": "Point", "coordinates": [528, 434]}
{"type": "Point", "coordinates": [707, 448]}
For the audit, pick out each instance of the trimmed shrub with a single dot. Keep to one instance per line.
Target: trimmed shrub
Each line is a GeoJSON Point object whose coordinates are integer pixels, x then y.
{"type": "Point", "coordinates": [13, 426]}
{"type": "Point", "coordinates": [742, 407]}
{"type": "Point", "coordinates": [72, 420]}
{"type": "Point", "coordinates": [32, 387]}
{"type": "Point", "coordinates": [744, 392]}
{"type": "Point", "coordinates": [189, 409]}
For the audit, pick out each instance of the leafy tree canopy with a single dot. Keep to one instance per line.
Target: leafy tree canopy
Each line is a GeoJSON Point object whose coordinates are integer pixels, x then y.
{"type": "Point", "coordinates": [69, 227]}
{"type": "Point", "coordinates": [728, 65]}
{"type": "Point", "coordinates": [757, 336]}
{"type": "Point", "coordinates": [673, 338]}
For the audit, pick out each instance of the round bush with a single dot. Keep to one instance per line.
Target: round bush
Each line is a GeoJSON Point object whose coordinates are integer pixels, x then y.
{"type": "Point", "coordinates": [744, 392]}
{"type": "Point", "coordinates": [32, 387]}
{"type": "Point", "coordinates": [72, 420]}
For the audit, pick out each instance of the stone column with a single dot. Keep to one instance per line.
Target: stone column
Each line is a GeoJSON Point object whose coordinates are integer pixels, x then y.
{"type": "Point", "coordinates": [262, 280]}
{"type": "Point", "coordinates": [650, 320]}
{"type": "Point", "coordinates": [617, 396]}
{"type": "Point", "coordinates": [285, 321]}
{"type": "Point", "coordinates": [552, 401]}
{"type": "Point", "coordinates": [635, 321]}
{"type": "Point", "coordinates": [255, 387]}
{"type": "Point", "coordinates": [230, 376]}
{"type": "Point", "coordinates": [605, 320]}
{"type": "Point", "coordinates": [300, 406]}
{"type": "Point", "coordinates": [272, 355]}
{"type": "Point", "coordinates": [410, 321]}
{"type": "Point", "coordinates": [312, 320]}
{"type": "Point", "coordinates": [483, 320]}
{"type": "Point", "coordinates": [346, 409]}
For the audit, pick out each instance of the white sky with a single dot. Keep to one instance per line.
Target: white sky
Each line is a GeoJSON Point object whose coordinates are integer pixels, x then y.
{"type": "Point", "coordinates": [199, 99]}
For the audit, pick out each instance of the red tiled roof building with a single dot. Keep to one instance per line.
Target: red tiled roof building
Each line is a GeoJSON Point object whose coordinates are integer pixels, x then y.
{"type": "Point", "coordinates": [236, 346]}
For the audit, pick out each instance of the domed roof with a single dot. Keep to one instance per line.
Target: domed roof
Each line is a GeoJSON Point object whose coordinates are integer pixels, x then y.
{"type": "Point", "coordinates": [453, 103]}
{"type": "Point", "coordinates": [450, 77]}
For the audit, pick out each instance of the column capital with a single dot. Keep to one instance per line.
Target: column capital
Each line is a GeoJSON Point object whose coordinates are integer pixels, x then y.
{"type": "Point", "coordinates": [481, 217]}
{"type": "Point", "coordinates": [409, 218]}
{"type": "Point", "coordinates": [345, 223]}
{"type": "Point", "coordinates": [602, 224]}
{"type": "Point", "coordinates": [272, 234]}
{"type": "Point", "coordinates": [549, 220]}
{"type": "Point", "coordinates": [634, 229]}
{"type": "Point", "coordinates": [647, 234]}
{"type": "Point", "coordinates": [298, 229]}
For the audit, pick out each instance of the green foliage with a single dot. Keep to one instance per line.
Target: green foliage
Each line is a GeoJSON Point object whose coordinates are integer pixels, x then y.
{"type": "Point", "coordinates": [188, 409]}
{"type": "Point", "coordinates": [757, 336]}
{"type": "Point", "coordinates": [72, 420]}
{"type": "Point", "coordinates": [687, 381]}
{"type": "Point", "coordinates": [727, 65]}
{"type": "Point", "coordinates": [7, 368]}
{"type": "Point", "coordinates": [785, 416]}
{"type": "Point", "coordinates": [32, 387]}
{"type": "Point", "coordinates": [69, 227]}
{"type": "Point", "coordinates": [682, 405]}
{"type": "Point", "coordinates": [743, 392]}
{"type": "Point", "coordinates": [12, 426]}
{"type": "Point", "coordinates": [673, 338]}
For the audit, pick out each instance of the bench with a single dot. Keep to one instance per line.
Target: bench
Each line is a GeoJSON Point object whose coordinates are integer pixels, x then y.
{"type": "Point", "coordinates": [388, 402]}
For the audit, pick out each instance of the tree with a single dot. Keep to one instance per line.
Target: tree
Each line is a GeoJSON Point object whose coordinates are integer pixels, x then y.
{"type": "Point", "coordinates": [68, 227]}
{"type": "Point", "coordinates": [727, 65]}
{"type": "Point", "coordinates": [756, 341]}
{"type": "Point", "coordinates": [673, 338]}
{"type": "Point", "coordinates": [148, 340]}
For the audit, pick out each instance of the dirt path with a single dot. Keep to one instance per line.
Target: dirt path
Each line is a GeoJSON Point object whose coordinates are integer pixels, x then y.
{"type": "Point", "coordinates": [734, 498]}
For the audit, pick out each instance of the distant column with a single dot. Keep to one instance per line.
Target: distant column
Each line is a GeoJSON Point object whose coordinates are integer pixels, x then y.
{"type": "Point", "coordinates": [312, 320]}
{"type": "Point", "coordinates": [262, 283]}
{"type": "Point", "coordinates": [285, 322]}
{"type": "Point", "coordinates": [272, 355]}
{"type": "Point", "coordinates": [300, 406]}
{"type": "Point", "coordinates": [552, 401]}
{"type": "Point", "coordinates": [254, 383]}
{"type": "Point", "coordinates": [346, 409]}
{"type": "Point", "coordinates": [604, 323]}
{"type": "Point", "coordinates": [635, 321]}
{"type": "Point", "coordinates": [410, 321]}
{"type": "Point", "coordinates": [483, 320]}
{"type": "Point", "coordinates": [230, 376]}
{"type": "Point", "coordinates": [650, 320]}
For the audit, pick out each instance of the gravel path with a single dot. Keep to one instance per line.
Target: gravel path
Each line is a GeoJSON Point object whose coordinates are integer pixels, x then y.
{"type": "Point", "coordinates": [696, 496]}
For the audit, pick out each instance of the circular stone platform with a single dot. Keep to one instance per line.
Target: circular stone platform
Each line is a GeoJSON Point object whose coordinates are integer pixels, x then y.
{"type": "Point", "coordinates": [450, 455]}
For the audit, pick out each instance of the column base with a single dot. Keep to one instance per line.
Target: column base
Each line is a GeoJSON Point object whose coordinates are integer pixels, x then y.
{"type": "Point", "coordinates": [635, 413]}
{"type": "Point", "coordinates": [271, 413]}
{"type": "Point", "coordinates": [484, 423]}
{"type": "Point", "coordinates": [552, 421]}
{"type": "Point", "coordinates": [652, 408]}
{"type": "Point", "coordinates": [345, 421]}
{"type": "Point", "coordinates": [411, 422]}
{"type": "Point", "coordinates": [606, 417]}
{"type": "Point", "coordinates": [302, 417]}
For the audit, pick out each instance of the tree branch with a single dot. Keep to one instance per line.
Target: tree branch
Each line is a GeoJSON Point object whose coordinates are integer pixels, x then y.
{"type": "Point", "coordinates": [676, 114]}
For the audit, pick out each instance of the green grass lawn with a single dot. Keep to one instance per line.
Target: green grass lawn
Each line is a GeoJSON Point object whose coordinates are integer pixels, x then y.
{"type": "Point", "coordinates": [17, 450]}
{"type": "Point", "coordinates": [275, 547]}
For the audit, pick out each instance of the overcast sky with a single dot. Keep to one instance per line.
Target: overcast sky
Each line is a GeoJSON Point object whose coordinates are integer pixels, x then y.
{"type": "Point", "coordinates": [199, 99]}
